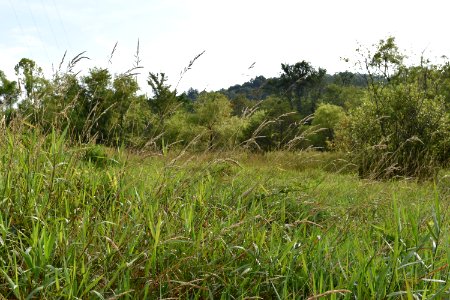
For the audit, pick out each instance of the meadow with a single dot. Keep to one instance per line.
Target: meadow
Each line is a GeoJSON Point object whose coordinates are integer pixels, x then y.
{"type": "Point", "coordinates": [90, 222]}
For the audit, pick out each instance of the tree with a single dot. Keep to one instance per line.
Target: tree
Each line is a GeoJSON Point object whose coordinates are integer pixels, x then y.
{"type": "Point", "coordinates": [37, 88]}
{"type": "Point", "coordinates": [211, 112]}
{"type": "Point", "coordinates": [278, 124]}
{"type": "Point", "coordinates": [98, 98]}
{"type": "Point", "coordinates": [209, 125]}
{"type": "Point", "coordinates": [192, 94]}
{"type": "Point", "coordinates": [164, 101]}
{"type": "Point", "coordinates": [302, 85]}
{"type": "Point", "coordinates": [65, 106]}
{"type": "Point", "coordinates": [125, 93]}
{"type": "Point", "coordinates": [345, 96]}
{"type": "Point", "coordinates": [137, 122]}
{"type": "Point", "coordinates": [240, 104]}
{"type": "Point", "coordinates": [32, 80]}
{"type": "Point", "coordinates": [401, 128]}
{"type": "Point", "coordinates": [9, 94]}
{"type": "Point", "coordinates": [9, 91]}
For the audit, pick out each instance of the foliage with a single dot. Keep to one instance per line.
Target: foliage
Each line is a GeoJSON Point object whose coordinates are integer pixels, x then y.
{"type": "Point", "coordinates": [9, 91]}
{"type": "Point", "coordinates": [210, 125]}
{"type": "Point", "coordinates": [109, 110]}
{"type": "Point", "coordinates": [36, 89]}
{"type": "Point", "coordinates": [105, 194]}
{"type": "Point", "coordinates": [255, 89]}
{"type": "Point", "coordinates": [67, 107]}
{"type": "Point", "coordinates": [99, 101]}
{"type": "Point", "coordinates": [282, 118]}
{"type": "Point", "coordinates": [327, 118]}
{"type": "Point", "coordinates": [406, 104]}
{"type": "Point", "coordinates": [347, 97]}
{"type": "Point", "coordinates": [301, 83]}
{"type": "Point", "coordinates": [139, 122]}
{"type": "Point", "coordinates": [402, 128]}
{"type": "Point", "coordinates": [164, 101]}
{"type": "Point", "coordinates": [30, 76]}
{"type": "Point", "coordinates": [181, 129]}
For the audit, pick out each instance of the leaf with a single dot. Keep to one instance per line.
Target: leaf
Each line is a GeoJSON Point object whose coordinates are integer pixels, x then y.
{"type": "Point", "coordinates": [14, 287]}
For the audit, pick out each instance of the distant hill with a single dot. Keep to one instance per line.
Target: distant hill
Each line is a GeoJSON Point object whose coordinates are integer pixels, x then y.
{"type": "Point", "coordinates": [260, 87]}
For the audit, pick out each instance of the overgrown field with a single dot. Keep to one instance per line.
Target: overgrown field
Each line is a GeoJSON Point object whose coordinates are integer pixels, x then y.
{"type": "Point", "coordinates": [91, 223]}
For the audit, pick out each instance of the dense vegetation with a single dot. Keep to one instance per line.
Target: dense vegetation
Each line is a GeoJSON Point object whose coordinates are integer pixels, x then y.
{"type": "Point", "coordinates": [392, 119]}
{"type": "Point", "coordinates": [269, 189]}
{"type": "Point", "coordinates": [85, 222]}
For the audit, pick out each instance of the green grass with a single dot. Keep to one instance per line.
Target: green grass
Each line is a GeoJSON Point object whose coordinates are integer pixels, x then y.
{"type": "Point", "coordinates": [217, 226]}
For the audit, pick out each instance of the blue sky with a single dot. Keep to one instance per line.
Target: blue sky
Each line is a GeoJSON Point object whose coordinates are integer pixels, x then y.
{"type": "Point", "coordinates": [234, 33]}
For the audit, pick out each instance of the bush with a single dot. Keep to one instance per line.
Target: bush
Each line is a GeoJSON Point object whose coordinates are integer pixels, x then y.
{"type": "Point", "coordinates": [401, 128]}
{"type": "Point", "coordinates": [327, 117]}
{"type": "Point", "coordinates": [406, 135]}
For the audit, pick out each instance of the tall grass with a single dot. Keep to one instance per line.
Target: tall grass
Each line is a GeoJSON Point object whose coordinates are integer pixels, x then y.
{"type": "Point", "coordinates": [73, 225]}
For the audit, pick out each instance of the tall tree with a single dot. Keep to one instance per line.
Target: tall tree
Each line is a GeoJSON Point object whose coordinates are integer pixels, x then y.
{"type": "Point", "coordinates": [9, 91]}
{"type": "Point", "coordinates": [99, 101]}
{"type": "Point", "coordinates": [125, 92]}
{"type": "Point", "coordinates": [300, 81]}
{"type": "Point", "coordinates": [164, 101]}
{"type": "Point", "coordinates": [32, 80]}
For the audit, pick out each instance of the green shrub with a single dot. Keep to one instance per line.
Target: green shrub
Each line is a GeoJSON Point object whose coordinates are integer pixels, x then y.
{"type": "Point", "coordinates": [407, 134]}
{"type": "Point", "coordinates": [327, 117]}
{"type": "Point", "coordinates": [401, 128]}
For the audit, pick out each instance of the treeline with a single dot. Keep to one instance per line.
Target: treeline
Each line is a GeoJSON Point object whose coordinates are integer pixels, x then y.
{"type": "Point", "coordinates": [260, 87]}
{"type": "Point", "coordinates": [263, 114]}
{"type": "Point", "coordinates": [392, 119]}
